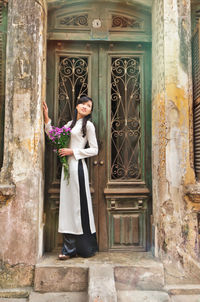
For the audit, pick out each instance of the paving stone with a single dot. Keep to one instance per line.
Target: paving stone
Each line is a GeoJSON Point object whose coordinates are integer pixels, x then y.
{"type": "Point", "coordinates": [58, 297]}
{"type": "Point", "coordinates": [22, 292]}
{"type": "Point", "coordinates": [185, 298]}
{"type": "Point", "coordinates": [185, 289]}
{"type": "Point", "coordinates": [142, 296]}
{"type": "Point", "coordinates": [101, 286]}
{"type": "Point", "coordinates": [12, 300]}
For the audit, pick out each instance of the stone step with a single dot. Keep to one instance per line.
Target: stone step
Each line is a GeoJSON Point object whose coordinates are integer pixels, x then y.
{"type": "Point", "coordinates": [185, 289]}
{"type": "Point", "coordinates": [61, 279]}
{"type": "Point", "coordinates": [101, 283]}
{"type": "Point", "coordinates": [122, 296]}
{"type": "Point", "coordinates": [148, 277]}
{"type": "Point", "coordinates": [58, 297]}
{"type": "Point", "coordinates": [185, 298]}
{"type": "Point", "coordinates": [22, 292]}
{"type": "Point", "coordinates": [13, 300]}
{"type": "Point", "coordinates": [130, 270]}
{"type": "Point", "coordinates": [175, 273]}
{"type": "Point", "coordinates": [141, 296]}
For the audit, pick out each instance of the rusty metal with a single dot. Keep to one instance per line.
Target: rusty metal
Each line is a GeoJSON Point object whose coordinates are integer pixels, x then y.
{"type": "Point", "coordinates": [125, 118]}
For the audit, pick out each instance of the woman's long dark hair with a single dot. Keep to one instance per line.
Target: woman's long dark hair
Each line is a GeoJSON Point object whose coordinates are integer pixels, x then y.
{"type": "Point", "coordinates": [82, 100]}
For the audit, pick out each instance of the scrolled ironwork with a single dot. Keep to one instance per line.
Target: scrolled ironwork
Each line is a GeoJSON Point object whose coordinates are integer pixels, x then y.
{"type": "Point", "coordinates": [73, 82]}
{"type": "Point", "coordinates": [122, 22]}
{"type": "Point", "coordinates": [80, 20]}
{"type": "Point", "coordinates": [125, 119]}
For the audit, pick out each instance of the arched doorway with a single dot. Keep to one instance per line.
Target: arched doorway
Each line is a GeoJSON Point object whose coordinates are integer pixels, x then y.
{"type": "Point", "coordinates": [104, 50]}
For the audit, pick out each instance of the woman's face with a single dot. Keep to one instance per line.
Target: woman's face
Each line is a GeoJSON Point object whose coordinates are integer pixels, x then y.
{"type": "Point", "coordinates": [84, 109]}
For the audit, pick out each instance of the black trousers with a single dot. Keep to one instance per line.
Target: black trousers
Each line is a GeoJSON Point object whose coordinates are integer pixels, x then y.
{"type": "Point", "coordinates": [84, 245]}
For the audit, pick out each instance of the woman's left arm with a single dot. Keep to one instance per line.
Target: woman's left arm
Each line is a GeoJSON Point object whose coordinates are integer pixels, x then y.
{"type": "Point", "coordinates": [92, 141]}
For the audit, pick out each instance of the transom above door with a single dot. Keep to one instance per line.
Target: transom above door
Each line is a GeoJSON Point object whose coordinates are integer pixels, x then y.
{"type": "Point", "coordinates": [99, 20]}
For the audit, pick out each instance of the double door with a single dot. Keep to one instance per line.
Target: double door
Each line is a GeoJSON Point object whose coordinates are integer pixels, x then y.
{"type": "Point", "coordinates": [117, 77]}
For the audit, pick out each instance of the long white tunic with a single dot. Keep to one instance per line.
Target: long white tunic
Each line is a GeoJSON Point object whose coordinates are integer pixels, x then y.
{"type": "Point", "coordinates": [70, 210]}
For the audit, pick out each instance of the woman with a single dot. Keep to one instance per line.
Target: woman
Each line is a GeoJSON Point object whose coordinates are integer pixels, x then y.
{"type": "Point", "coordinates": [76, 219]}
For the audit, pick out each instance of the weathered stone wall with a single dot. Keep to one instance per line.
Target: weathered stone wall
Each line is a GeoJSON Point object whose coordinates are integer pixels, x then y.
{"type": "Point", "coordinates": [175, 193]}
{"type": "Point", "coordinates": [175, 217]}
{"type": "Point", "coordinates": [21, 179]}
{"type": "Point", "coordinates": [158, 105]}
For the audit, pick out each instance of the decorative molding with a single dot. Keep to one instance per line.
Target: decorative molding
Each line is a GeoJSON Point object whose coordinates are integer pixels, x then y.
{"type": "Point", "coordinates": [76, 20]}
{"type": "Point", "coordinates": [119, 21]}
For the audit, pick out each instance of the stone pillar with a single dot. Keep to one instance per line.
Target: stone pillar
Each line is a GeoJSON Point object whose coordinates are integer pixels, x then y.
{"type": "Point", "coordinates": [22, 175]}
{"type": "Point", "coordinates": [175, 221]}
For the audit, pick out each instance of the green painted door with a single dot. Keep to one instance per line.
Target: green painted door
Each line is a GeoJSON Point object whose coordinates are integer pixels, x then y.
{"type": "Point", "coordinates": [117, 77]}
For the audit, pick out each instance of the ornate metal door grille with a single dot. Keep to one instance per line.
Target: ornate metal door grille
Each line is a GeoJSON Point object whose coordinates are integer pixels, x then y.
{"type": "Point", "coordinates": [196, 95]}
{"type": "Point", "coordinates": [73, 82]}
{"type": "Point", "coordinates": [125, 118]}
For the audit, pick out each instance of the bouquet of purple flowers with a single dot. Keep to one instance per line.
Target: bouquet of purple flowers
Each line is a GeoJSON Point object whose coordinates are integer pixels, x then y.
{"type": "Point", "coordinates": [60, 138]}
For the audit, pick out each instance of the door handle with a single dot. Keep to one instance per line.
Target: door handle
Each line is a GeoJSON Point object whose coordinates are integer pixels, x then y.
{"type": "Point", "coordinates": [101, 162]}
{"type": "Point", "coordinates": [95, 163]}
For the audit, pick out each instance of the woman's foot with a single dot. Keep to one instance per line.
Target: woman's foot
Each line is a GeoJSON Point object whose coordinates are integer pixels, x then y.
{"type": "Point", "coordinates": [63, 257]}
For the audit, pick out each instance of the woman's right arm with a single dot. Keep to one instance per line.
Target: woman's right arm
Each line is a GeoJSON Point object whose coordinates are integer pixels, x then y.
{"type": "Point", "coordinates": [45, 112]}
{"type": "Point", "coordinates": [47, 120]}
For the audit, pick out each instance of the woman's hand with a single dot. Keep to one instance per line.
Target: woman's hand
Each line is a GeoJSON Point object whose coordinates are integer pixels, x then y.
{"type": "Point", "coordinates": [45, 112]}
{"type": "Point", "coordinates": [65, 151]}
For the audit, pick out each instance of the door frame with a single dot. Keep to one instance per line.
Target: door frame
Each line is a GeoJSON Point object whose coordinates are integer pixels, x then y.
{"type": "Point", "coordinates": [101, 193]}
{"type": "Point", "coordinates": [89, 34]}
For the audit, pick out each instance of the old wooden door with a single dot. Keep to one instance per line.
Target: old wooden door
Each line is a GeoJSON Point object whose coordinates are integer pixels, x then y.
{"type": "Point", "coordinates": [117, 77]}
{"type": "Point", "coordinates": [124, 186]}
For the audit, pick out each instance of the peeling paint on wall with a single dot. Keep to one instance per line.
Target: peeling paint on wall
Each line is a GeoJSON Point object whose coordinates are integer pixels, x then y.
{"type": "Point", "coordinates": [175, 216]}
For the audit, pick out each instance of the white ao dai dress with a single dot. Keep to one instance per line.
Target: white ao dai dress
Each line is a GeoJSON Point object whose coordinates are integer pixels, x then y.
{"type": "Point", "coordinates": [70, 217]}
